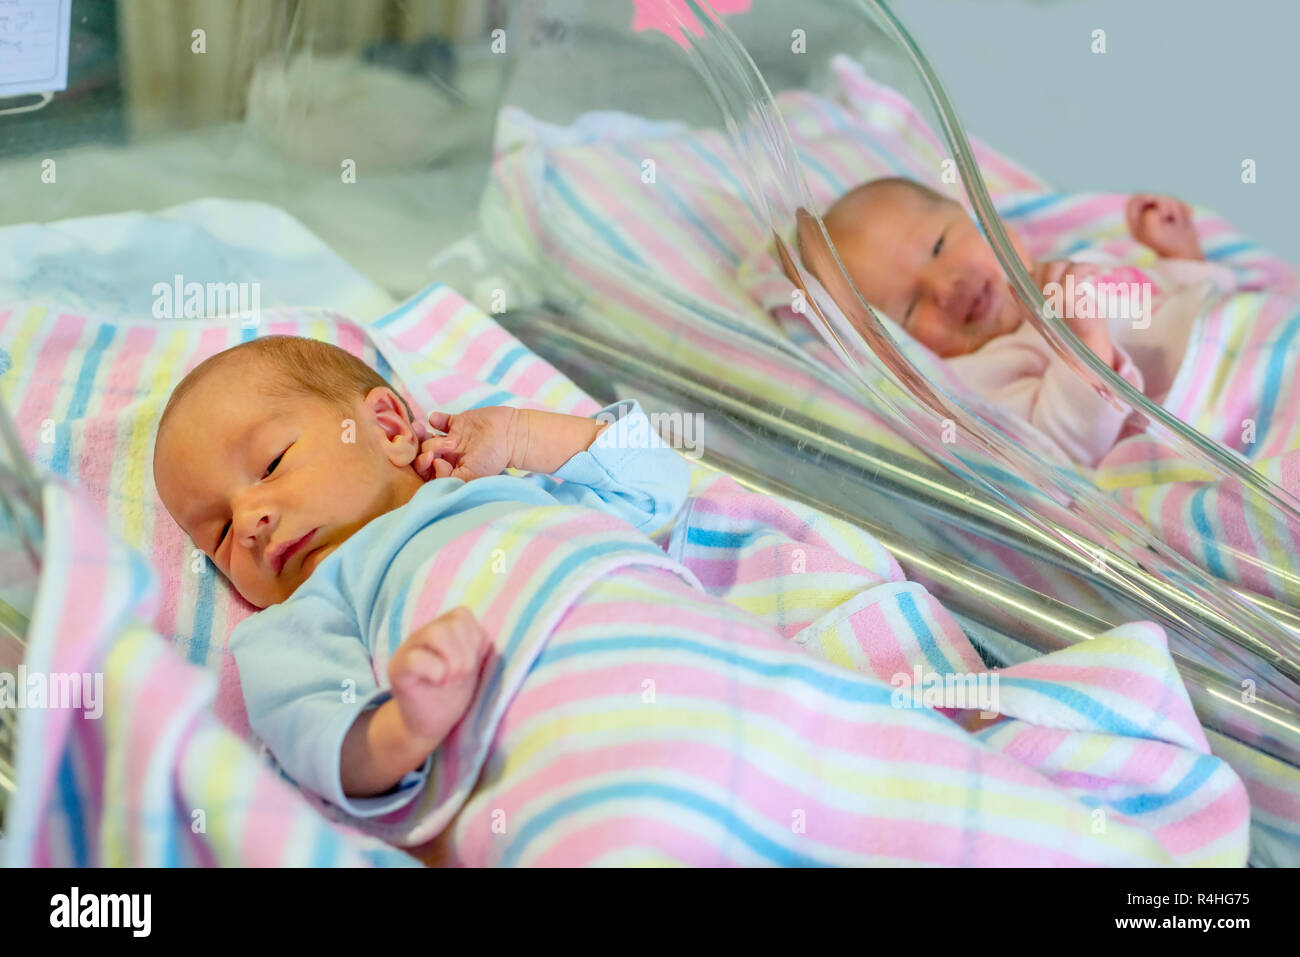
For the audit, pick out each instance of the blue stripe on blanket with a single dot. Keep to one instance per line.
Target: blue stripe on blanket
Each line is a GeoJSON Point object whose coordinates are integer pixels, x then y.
{"type": "Point", "coordinates": [1272, 831]}
{"type": "Point", "coordinates": [328, 848]}
{"type": "Point", "coordinates": [665, 188]}
{"type": "Point", "coordinates": [997, 477]}
{"type": "Point", "coordinates": [1201, 772]}
{"type": "Point", "coordinates": [76, 820]}
{"type": "Point", "coordinates": [924, 636]}
{"type": "Point", "coordinates": [59, 463]}
{"type": "Point", "coordinates": [718, 163]}
{"type": "Point", "coordinates": [716, 538]}
{"type": "Point", "coordinates": [406, 307]}
{"type": "Point", "coordinates": [503, 366]}
{"type": "Point", "coordinates": [1277, 364]}
{"type": "Point", "coordinates": [1231, 249]}
{"type": "Point", "coordinates": [733, 825]}
{"type": "Point", "coordinates": [541, 595]}
{"type": "Point", "coordinates": [493, 398]}
{"type": "Point", "coordinates": [593, 221]}
{"type": "Point", "coordinates": [859, 689]}
{"type": "Point", "coordinates": [205, 603]}
{"type": "Point", "coordinates": [1080, 703]}
{"type": "Point", "coordinates": [1031, 206]}
{"type": "Point", "coordinates": [171, 853]}
{"type": "Point", "coordinates": [1201, 522]}
{"type": "Point", "coordinates": [827, 176]}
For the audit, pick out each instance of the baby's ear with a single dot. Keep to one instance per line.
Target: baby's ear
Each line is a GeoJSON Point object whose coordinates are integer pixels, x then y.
{"type": "Point", "coordinates": [389, 412]}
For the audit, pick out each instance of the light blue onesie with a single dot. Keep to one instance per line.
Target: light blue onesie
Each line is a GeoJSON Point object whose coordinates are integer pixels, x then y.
{"type": "Point", "coordinates": [309, 665]}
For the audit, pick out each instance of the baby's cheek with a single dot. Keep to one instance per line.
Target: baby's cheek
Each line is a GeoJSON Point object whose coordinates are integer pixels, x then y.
{"type": "Point", "coordinates": [935, 334]}
{"type": "Point", "coordinates": [240, 580]}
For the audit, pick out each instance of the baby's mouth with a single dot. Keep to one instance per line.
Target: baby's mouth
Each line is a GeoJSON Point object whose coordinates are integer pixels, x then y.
{"type": "Point", "coordinates": [980, 306]}
{"type": "Point", "coordinates": [283, 559]}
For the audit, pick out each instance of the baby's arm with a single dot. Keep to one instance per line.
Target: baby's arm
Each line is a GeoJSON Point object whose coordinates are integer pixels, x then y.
{"type": "Point", "coordinates": [310, 688]}
{"type": "Point", "coordinates": [433, 675]}
{"type": "Point", "coordinates": [489, 440]}
{"type": "Point", "coordinates": [614, 462]}
{"type": "Point", "coordinates": [628, 471]}
{"type": "Point", "coordinates": [552, 438]}
{"type": "Point", "coordinates": [1043, 390]}
{"type": "Point", "coordinates": [1092, 330]}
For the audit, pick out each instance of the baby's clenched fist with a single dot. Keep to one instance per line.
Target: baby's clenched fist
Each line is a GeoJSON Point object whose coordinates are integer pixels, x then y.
{"type": "Point", "coordinates": [435, 671]}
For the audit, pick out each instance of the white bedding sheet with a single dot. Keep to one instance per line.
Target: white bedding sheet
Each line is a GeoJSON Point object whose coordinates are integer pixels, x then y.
{"type": "Point", "coordinates": [110, 264]}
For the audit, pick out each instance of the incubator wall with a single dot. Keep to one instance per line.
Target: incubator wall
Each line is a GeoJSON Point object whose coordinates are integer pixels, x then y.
{"type": "Point", "coordinates": [662, 233]}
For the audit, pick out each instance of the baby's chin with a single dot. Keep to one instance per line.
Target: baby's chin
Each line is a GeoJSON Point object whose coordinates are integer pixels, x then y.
{"type": "Point", "coordinates": [258, 601]}
{"type": "Point", "coordinates": [991, 327]}
{"type": "Point", "coordinates": [1010, 322]}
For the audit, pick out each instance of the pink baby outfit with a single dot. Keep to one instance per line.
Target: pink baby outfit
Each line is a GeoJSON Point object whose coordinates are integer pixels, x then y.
{"type": "Point", "coordinates": [1020, 373]}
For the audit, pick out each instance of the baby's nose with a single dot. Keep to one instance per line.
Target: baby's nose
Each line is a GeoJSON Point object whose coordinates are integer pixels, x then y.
{"type": "Point", "coordinates": [254, 524]}
{"type": "Point", "coordinates": [950, 294]}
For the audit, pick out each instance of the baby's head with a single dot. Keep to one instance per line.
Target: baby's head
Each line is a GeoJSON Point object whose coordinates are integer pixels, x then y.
{"type": "Point", "coordinates": [273, 453]}
{"type": "Point", "coordinates": [919, 258]}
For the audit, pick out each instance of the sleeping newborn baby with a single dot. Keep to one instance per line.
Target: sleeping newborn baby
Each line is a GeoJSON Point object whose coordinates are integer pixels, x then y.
{"type": "Point", "coordinates": [298, 470]}
{"type": "Point", "coordinates": [442, 649]}
{"type": "Point", "coordinates": [919, 257]}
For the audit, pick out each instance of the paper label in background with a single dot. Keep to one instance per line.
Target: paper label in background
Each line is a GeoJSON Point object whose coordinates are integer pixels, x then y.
{"type": "Point", "coordinates": [34, 46]}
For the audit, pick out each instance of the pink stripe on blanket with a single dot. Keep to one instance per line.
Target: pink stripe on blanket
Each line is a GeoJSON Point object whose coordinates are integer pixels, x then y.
{"type": "Point", "coordinates": [1151, 764]}
{"type": "Point", "coordinates": [616, 833]}
{"type": "Point", "coordinates": [686, 166]}
{"type": "Point", "coordinates": [163, 697]}
{"type": "Point", "coordinates": [639, 232]}
{"type": "Point", "coordinates": [1219, 818]}
{"type": "Point", "coordinates": [1076, 215]}
{"type": "Point", "coordinates": [415, 335]}
{"type": "Point", "coordinates": [850, 735]}
{"type": "Point", "coordinates": [1034, 746]}
{"type": "Point", "coordinates": [89, 743]}
{"type": "Point", "coordinates": [100, 441]}
{"type": "Point", "coordinates": [859, 833]}
{"type": "Point", "coordinates": [82, 621]}
{"type": "Point", "coordinates": [40, 398]}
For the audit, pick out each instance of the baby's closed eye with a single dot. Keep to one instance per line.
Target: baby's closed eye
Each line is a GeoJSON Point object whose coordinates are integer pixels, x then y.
{"type": "Point", "coordinates": [225, 529]}
{"type": "Point", "coordinates": [916, 297]}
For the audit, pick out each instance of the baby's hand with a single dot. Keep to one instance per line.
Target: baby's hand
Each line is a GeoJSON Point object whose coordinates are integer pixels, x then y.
{"type": "Point", "coordinates": [435, 671]}
{"type": "Point", "coordinates": [1092, 330]}
{"type": "Point", "coordinates": [1163, 224]}
{"type": "Point", "coordinates": [478, 442]}
{"type": "Point", "coordinates": [1095, 335]}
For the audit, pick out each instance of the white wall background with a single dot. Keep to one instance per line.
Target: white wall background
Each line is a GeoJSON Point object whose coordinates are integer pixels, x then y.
{"type": "Point", "coordinates": [1186, 90]}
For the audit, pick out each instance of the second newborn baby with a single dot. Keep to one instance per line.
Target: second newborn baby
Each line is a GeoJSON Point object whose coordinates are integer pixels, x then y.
{"type": "Point", "coordinates": [918, 257]}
